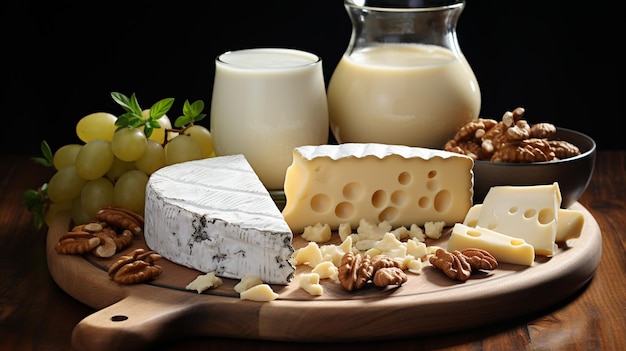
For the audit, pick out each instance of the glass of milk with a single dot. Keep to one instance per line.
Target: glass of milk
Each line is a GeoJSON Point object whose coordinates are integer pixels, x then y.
{"type": "Point", "coordinates": [403, 78]}
{"type": "Point", "coordinates": [266, 102]}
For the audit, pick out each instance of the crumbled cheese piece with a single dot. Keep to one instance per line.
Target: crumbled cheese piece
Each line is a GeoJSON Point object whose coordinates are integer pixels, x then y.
{"type": "Point", "coordinates": [434, 229]}
{"type": "Point", "coordinates": [203, 282]}
{"type": "Point", "coordinates": [310, 282]}
{"type": "Point", "coordinates": [390, 246]}
{"type": "Point", "coordinates": [247, 282]}
{"type": "Point", "coordinates": [334, 253]}
{"type": "Point", "coordinates": [416, 248]}
{"type": "Point", "coordinates": [318, 233]}
{"type": "Point", "coordinates": [326, 269]}
{"type": "Point", "coordinates": [344, 231]}
{"type": "Point", "coordinates": [261, 293]}
{"type": "Point", "coordinates": [414, 266]}
{"type": "Point", "coordinates": [416, 232]}
{"type": "Point", "coordinates": [371, 231]}
{"type": "Point", "coordinates": [309, 255]}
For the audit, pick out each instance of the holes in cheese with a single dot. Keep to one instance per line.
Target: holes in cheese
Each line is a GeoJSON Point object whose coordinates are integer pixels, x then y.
{"type": "Point", "coordinates": [503, 247]}
{"type": "Point", "coordinates": [569, 224]}
{"type": "Point", "coordinates": [402, 185]}
{"type": "Point", "coordinates": [527, 212]}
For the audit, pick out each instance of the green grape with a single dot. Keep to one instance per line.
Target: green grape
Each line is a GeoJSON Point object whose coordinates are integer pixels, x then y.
{"type": "Point", "coordinates": [203, 137]}
{"type": "Point", "coordinates": [66, 156]}
{"type": "Point", "coordinates": [79, 216]}
{"type": "Point", "coordinates": [65, 185]}
{"type": "Point", "coordinates": [152, 159]}
{"type": "Point", "coordinates": [99, 125]}
{"type": "Point", "coordinates": [94, 159]}
{"type": "Point", "coordinates": [118, 168]}
{"type": "Point", "coordinates": [158, 134]}
{"type": "Point", "coordinates": [130, 190]}
{"type": "Point", "coordinates": [128, 144]}
{"type": "Point", "coordinates": [96, 194]}
{"type": "Point", "coordinates": [182, 148]}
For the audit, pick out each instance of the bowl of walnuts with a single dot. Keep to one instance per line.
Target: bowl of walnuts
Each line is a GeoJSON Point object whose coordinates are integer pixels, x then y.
{"type": "Point", "coordinates": [513, 152]}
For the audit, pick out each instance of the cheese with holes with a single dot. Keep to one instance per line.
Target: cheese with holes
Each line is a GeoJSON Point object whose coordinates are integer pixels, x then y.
{"type": "Point", "coordinates": [402, 185]}
{"type": "Point", "coordinates": [527, 212]}
{"type": "Point", "coordinates": [504, 248]}
{"type": "Point", "coordinates": [215, 215]}
{"type": "Point", "coordinates": [569, 225]}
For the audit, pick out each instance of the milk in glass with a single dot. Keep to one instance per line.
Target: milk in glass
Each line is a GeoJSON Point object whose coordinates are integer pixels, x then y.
{"type": "Point", "coordinates": [265, 103]}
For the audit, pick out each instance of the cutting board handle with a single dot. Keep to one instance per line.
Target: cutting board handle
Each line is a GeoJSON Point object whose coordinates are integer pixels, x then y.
{"type": "Point", "coordinates": [132, 323]}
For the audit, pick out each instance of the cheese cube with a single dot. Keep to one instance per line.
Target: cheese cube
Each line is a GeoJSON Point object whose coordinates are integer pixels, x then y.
{"type": "Point", "coordinates": [527, 212]}
{"type": "Point", "coordinates": [503, 247]}
{"type": "Point", "coordinates": [402, 185]}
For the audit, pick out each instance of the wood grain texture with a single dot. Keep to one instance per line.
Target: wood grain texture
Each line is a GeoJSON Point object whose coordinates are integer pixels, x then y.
{"type": "Point", "coordinates": [36, 314]}
{"type": "Point", "coordinates": [428, 303]}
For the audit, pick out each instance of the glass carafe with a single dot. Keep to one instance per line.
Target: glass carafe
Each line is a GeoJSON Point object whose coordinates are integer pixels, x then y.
{"type": "Point", "coordinates": [403, 78]}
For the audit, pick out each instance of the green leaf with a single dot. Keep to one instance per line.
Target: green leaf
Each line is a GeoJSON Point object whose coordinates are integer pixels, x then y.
{"type": "Point", "coordinates": [34, 201]}
{"type": "Point", "coordinates": [160, 108]}
{"type": "Point", "coordinates": [122, 100]}
{"type": "Point", "coordinates": [182, 121]}
{"type": "Point", "coordinates": [48, 156]}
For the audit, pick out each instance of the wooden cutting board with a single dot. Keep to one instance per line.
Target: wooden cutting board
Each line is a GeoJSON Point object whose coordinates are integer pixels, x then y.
{"type": "Point", "coordinates": [140, 314]}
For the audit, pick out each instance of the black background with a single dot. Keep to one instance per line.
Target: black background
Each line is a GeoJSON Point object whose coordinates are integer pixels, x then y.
{"type": "Point", "coordinates": [559, 60]}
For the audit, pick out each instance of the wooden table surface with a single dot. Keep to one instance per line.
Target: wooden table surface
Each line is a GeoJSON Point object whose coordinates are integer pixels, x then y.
{"type": "Point", "coordinates": [35, 314]}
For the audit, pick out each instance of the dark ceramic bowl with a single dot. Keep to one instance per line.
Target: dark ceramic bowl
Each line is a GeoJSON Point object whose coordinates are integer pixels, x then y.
{"type": "Point", "coordinates": [573, 174]}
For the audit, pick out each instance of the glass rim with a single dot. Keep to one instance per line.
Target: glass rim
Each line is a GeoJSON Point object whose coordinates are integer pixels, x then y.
{"type": "Point", "coordinates": [411, 6]}
{"type": "Point", "coordinates": [314, 58]}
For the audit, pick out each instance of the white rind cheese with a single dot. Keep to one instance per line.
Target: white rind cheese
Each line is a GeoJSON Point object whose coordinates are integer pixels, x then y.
{"type": "Point", "coordinates": [215, 215]}
{"type": "Point", "coordinates": [402, 185]}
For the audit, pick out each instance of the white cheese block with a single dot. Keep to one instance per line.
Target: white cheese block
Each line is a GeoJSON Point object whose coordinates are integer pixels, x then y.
{"type": "Point", "coordinates": [569, 225]}
{"type": "Point", "coordinates": [504, 248]}
{"type": "Point", "coordinates": [402, 185]}
{"type": "Point", "coordinates": [215, 215]}
{"type": "Point", "coordinates": [527, 212]}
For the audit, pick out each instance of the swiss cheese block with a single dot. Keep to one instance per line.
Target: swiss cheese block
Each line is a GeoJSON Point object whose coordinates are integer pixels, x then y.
{"type": "Point", "coordinates": [402, 185]}
{"type": "Point", "coordinates": [569, 225]}
{"type": "Point", "coordinates": [527, 212]}
{"type": "Point", "coordinates": [504, 248]}
{"type": "Point", "coordinates": [215, 215]}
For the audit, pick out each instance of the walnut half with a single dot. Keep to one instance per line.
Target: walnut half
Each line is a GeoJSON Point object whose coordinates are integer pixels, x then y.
{"type": "Point", "coordinates": [136, 267]}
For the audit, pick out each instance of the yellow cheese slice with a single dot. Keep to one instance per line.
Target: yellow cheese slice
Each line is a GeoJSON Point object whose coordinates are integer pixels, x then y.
{"type": "Point", "coordinates": [527, 212]}
{"type": "Point", "coordinates": [402, 185]}
{"type": "Point", "coordinates": [569, 225]}
{"type": "Point", "coordinates": [503, 247]}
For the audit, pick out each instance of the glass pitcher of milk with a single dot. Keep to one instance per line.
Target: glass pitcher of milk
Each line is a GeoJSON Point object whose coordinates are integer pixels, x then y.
{"type": "Point", "coordinates": [403, 78]}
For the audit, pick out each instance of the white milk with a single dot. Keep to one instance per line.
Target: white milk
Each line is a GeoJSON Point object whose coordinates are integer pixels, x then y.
{"type": "Point", "coordinates": [266, 102]}
{"type": "Point", "coordinates": [410, 94]}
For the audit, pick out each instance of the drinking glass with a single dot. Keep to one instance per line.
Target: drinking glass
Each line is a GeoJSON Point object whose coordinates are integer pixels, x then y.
{"type": "Point", "coordinates": [266, 102]}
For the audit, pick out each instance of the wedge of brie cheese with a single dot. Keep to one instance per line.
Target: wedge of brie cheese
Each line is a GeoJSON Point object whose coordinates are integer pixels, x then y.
{"type": "Point", "coordinates": [215, 215]}
{"type": "Point", "coordinates": [335, 184]}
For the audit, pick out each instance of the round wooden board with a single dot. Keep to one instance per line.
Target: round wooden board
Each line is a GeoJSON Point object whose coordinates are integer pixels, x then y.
{"type": "Point", "coordinates": [429, 303]}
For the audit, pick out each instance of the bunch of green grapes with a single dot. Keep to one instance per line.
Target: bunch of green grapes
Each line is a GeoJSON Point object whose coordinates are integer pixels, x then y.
{"type": "Point", "coordinates": [119, 154]}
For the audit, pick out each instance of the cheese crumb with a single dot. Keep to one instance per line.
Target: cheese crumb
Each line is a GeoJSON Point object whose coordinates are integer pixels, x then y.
{"type": "Point", "coordinates": [310, 282]}
{"type": "Point", "coordinates": [260, 293]}
{"type": "Point", "coordinates": [309, 255]}
{"type": "Point", "coordinates": [204, 282]}
{"type": "Point", "coordinates": [326, 269]}
{"type": "Point", "coordinates": [318, 233]}
{"type": "Point", "coordinates": [247, 282]}
{"type": "Point", "coordinates": [434, 229]}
